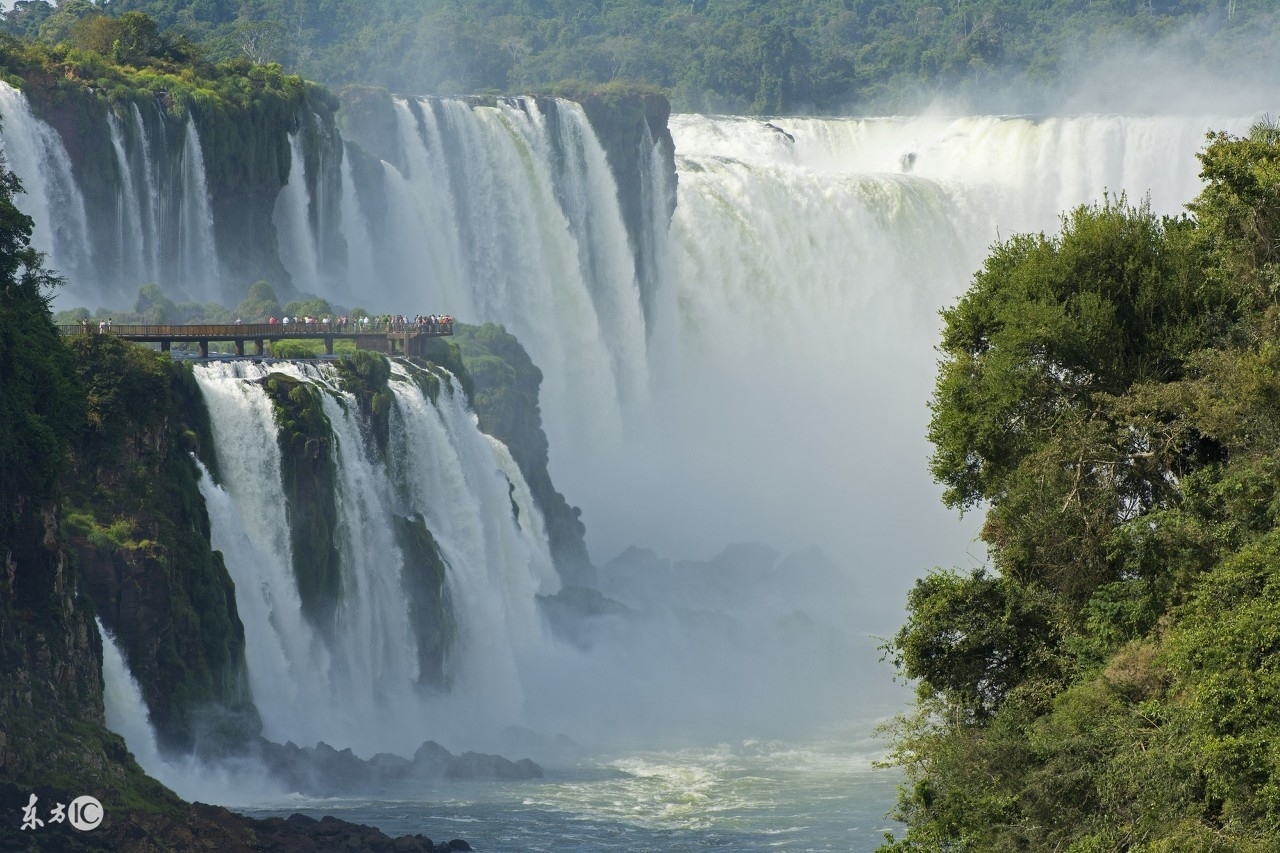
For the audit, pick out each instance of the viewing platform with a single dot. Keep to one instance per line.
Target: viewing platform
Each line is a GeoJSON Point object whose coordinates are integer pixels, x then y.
{"type": "Point", "coordinates": [398, 339]}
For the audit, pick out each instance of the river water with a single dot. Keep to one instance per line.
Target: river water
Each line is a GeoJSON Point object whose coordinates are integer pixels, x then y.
{"type": "Point", "coordinates": [819, 794]}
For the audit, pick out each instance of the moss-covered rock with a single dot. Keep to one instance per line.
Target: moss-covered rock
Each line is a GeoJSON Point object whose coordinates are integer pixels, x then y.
{"type": "Point", "coordinates": [364, 374]}
{"type": "Point", "coordinates": [368, 118]}
{"type": "Point", "coordinates": [430, 610]}
{"type": "Point", "coordinates": [309, 474]}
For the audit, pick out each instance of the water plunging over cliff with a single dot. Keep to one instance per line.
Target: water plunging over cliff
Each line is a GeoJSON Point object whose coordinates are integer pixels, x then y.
{"type": "Point", "coordinates": [509, 214]}
{"type": "Point", "coordinates": [361, 675]}
{"type": "Point", "coordinates": [808, 259]}
{"type": "Point", "coordinates": [34, 152]}
{"type": "Point", "coordinates": [804, 264]}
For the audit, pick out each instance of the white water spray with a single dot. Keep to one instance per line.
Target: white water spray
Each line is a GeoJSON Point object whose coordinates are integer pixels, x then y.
{"type": "Point", "coordinates": [792, 347]}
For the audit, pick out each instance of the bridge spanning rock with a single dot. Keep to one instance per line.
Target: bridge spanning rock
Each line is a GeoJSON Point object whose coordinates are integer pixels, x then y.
{"type": "Point", "coordinates": [397, 339]}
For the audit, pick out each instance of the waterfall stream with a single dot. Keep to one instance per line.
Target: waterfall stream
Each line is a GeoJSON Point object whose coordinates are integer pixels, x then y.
{"type": "Point", "coordinates": [361, 682]}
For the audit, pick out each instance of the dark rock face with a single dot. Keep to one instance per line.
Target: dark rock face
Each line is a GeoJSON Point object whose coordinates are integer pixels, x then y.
{"type": "Point", "coordinates": [572, 611]}
{"type": "Point", "coordinates": [430, 607]}
{"type": "Point", "coordinates": [50, 654]}
{"type": "Point", "coordinates": [309, 476]}
{"type": "Point", "coordinates": [140, 533]}
{"type": "Point", "coordinates": [368, 118]}
{"type": "Point", "coordinates": [199, 827]}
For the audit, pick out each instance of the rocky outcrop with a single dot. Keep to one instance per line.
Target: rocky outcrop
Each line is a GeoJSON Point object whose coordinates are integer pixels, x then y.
{"type": "Point", "coordinates": [430, 606]}
{"type": "Point", "coordinates": [632, 129]}
{"type": "Point", "coordinates": [504, 385]}
{"type": "Point", "coordinates": [368, 118]}
{"type": "Point", "coordinates": [322, 771]}
{"type": "Point", "coordinates": [308, 473]}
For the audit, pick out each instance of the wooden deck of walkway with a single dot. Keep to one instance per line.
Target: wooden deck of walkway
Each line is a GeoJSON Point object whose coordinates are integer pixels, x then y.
{"type": "Point", "coordinates": [399, 338]}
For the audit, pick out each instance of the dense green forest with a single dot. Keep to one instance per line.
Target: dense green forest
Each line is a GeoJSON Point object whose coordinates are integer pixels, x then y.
{"type": "Point", "coordinates": [1109, 397]}
{"type": "Point", "coordinates": [779, 56]}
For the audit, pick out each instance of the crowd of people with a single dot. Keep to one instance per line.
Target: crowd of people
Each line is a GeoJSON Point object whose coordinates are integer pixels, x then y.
{"type": "Point", "coordinates": [429, 323]}
{"type": "Point", "coordinates": [379, 323]}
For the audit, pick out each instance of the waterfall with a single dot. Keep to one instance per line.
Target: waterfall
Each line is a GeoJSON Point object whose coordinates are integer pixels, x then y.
{"type": "Point", "coordinates": [588, 195]}
{"type": "Point", "coordinates": [126, 711]}
{"type": "Point", "coordinates": [477, 221]}
{"type": "Point", "coordinates": [293, 222]}
{"type": "Point", "coordinates": [361, 269]}
{"type": "Point", "coordinates": [197, 254]}
{"type": "Point", "coordinates": [35, 153]}
{"type": "Point", "coordinates": [151, 197]}
{"type": "Point", "coordinates": [131, 231]}
{"type": "Point", "coordinates": [792, 342]}
{"type": "Point", "coordinates": [361, 682]}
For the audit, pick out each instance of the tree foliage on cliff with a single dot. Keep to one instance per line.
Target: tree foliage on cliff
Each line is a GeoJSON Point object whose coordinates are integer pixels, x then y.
{"type": "Point", "coordinates": [39, 408]}
{"type": "Point", "coordinates": [725, 55]}
{"type": "Point", "coordinates": [1111, 397]}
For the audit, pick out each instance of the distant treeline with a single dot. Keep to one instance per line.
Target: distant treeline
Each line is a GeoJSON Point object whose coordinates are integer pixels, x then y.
{"type": "Point", "coordinates": [757, 56]}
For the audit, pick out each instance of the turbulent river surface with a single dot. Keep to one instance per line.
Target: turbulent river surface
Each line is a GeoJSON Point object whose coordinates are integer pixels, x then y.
{"type": "Point", "coordinates": [819, 794]}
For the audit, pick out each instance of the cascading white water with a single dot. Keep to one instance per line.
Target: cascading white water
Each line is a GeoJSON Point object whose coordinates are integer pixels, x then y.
{"type": "Point", "coordinates": [126, 711]}
{"type": "Point", "coordinates": [808, 260]}
{"type": "Point", "coordinates": [161, 228]}
{"type": "Point", "coordinates": [361, 267]}
{"type": "Point", "coordinates": [360, 685]}
{"type": "Point", "coordinates": [35, 153]}
{"type": "Point", "coordinates": [588, 196]}
{"type": "Point", "coordinates": [292, 221]}
{"type": "Point", "coordinates": [131, 231]}
{"type": "Point", "coordinates": [482, 224]}
{"type": "Point", "coordinates": [461, 482]}
{"type": "Point", "coordinates": [151, 200]}
{"type": "Point", "coordinates": [288, 664]}
{"type": "Point", "coordinates": [197, 252]}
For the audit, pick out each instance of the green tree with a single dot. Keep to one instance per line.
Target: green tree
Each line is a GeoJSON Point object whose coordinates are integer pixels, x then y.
{"type": "Point", "coordinates": [1111, 397]}
{"type": "Point", "coordinates": [39, 409]}
{"type": "Point", "coordinates": [153, 307]}
{"type": "Point", "coordinates": [260, 304]}
{"type": "Point", "coordinates": [1035, 355]}
{"type": "Point", "coordinates": [972, 638]}
{"type": "Point", "coordinates": [315, 308]}
{"type": "Point", "coordinates": [58, 26]}
{"type": "Point", "coordinates": [1240, 209]}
